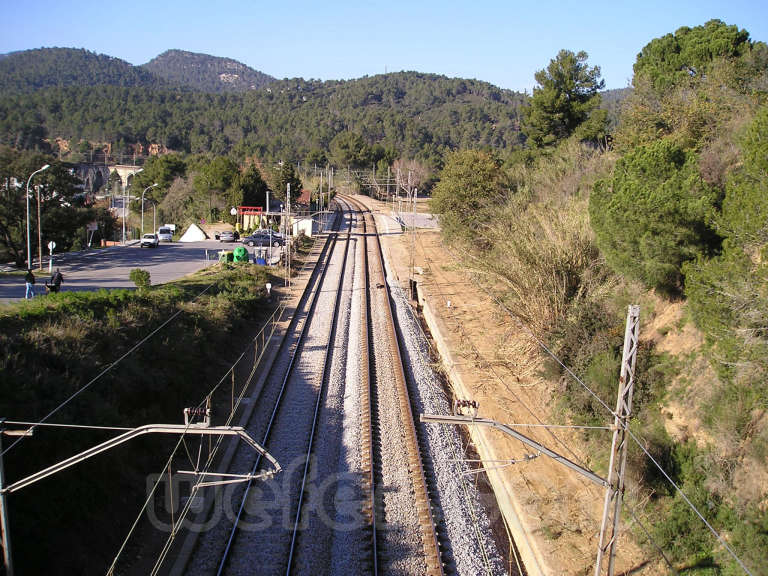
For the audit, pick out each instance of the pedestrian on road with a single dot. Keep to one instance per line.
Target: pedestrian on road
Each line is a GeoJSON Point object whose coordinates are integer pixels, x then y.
{"type": "Point", "coordinates": [55, 284]}
{"type": "Point", "coordinates": [29, 280]}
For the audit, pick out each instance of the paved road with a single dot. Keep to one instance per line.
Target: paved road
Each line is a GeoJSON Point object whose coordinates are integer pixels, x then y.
{"type": "Point", "coordinates": [110, 268]}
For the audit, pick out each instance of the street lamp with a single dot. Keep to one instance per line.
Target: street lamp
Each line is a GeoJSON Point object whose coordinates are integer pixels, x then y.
{"type": "Point", "coordinates": [142, 206]}
{"type": "Point", "coordinates": [29, 245]}
{"type": "Point", "coordinates": [125, 196]}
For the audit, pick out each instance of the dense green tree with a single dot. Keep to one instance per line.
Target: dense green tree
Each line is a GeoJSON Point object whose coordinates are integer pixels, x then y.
{"type": "Point", "coordinates": [469, 190]}
{"type": "Point", "coordinates": [566, 96]}
{"type": "Point", "coordinates": [284, 174]}
{"type": "Point", "coordinates": [62, 214]}
{"type": "Point", "coordinates": [34, 69]}
{"type": "Point", "coordinates": [418, 115]}
{"type": "Point", "coordinates": [160, 170]}
{"type": "Point", "coordinates": [350, 149]}
{"type": "Point", "coordinates": [212, 180]}
{"type": "Point", "coordinates": [727, 294]}
{"type": "Point", "coordinates": [654, 214]}
{"type": "Point", "coordinates": [106, 222]}
{"type": "Point", "coordinates": [248, 189]}
{"type": "Point", "coordinates": [692, 84]}
{"type": "Point", "coordinates": [689, 53]}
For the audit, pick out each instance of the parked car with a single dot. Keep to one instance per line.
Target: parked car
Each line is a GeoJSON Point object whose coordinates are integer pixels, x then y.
{"type": "Point", "coordinates": [263, 238]}
{"type": "Point", "coordinates": [228, 236]}
{"type": "Point", "coordinates": [165, 234]}
{"type": "Point", "coordinates": [149, 241]}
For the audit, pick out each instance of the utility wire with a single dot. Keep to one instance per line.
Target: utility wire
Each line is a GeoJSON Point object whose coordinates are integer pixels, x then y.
{"type": "Point", "coordinates": [553, 355]}
{"type": "Point", "coordinates": [56, 425]}
{"type": "Point", "coordinates": [650, 538]}
{"type": "Point", "coordinates": [690, 504]}
{"type": "Point", "coordinates": [278, 313]}
{"type": "Point", "coordinates": [182, 442]}
{"type": "Point", "coordinates": [103, 372]}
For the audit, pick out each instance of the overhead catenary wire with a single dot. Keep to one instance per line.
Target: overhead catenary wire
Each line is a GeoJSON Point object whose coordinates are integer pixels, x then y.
{"type": "Point", "coordinates": [106, 370]}
{"type": "Point", "coordinates": [182, 442]}
{"type": "Point", "coordinates": [570, 372]}
{"type": "Point", "coordinates": [62, 425]}
{"type": "Point", "coordinates": [278, 314]}
{"type": "Point", "coordinates": [666, 475]}
{"type": "Point", "coordinates": [687, 500]}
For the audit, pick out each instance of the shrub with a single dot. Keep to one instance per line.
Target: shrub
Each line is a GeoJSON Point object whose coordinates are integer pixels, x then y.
{"type": "Point", "coordinates": [140, 278]}
{"type": "Point", "coordinates": [467, 193]}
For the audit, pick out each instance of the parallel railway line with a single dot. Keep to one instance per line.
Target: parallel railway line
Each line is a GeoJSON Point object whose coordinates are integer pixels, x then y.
{"type": "Point", "coordinates": [336, 412]}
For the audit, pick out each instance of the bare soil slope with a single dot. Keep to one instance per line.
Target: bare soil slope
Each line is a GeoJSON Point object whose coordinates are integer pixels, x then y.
{"type": "Point", "coordinates": [501, 367]}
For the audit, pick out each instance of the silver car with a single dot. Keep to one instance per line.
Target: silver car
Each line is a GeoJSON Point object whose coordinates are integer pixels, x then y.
{"type": "Point", "coordinates": [165, 234]}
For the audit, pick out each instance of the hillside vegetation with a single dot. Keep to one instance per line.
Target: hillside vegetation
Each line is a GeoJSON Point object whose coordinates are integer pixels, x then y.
{"type": "Point", "coordinates": [93, 102]}
{"type": "Point", "coordinates": [205, 73]}
{"type": "Point", "coordinates": [672, 217]}
{"type": "Point", "coordinates": [50, 348]}
{"type": "Point", "coordinates": [33, 70]}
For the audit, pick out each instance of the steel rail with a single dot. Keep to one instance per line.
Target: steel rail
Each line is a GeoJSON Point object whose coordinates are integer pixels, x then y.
{"type": "Point", "coordinates": [366, 424]}
{"type": "Point", "coordinates": [316, 416]}
{"type": "Point", "coordinates": [278, 402]}
{"type": "Point", "coordinates": [366, 401]}
{"type": "Point", "coordinates": [430, 544]}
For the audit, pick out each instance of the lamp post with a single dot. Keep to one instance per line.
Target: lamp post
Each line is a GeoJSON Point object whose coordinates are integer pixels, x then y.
{"type": "Point", "coordinates": [125, 197]}
{"type": "Point", "coordinates": [142, 206]}
{"type": "Point", "coordinates": [29, 244]}
{"type": "Point", "coordinates": [39, 232]}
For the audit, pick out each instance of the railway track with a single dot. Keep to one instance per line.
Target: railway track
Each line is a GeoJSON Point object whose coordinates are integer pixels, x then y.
{"type": "Point", "coordinates": [224, 548]}
{"type": "Point", "coordinates": [376, 294]}
{"type": "Point", "coordinates": [290, 431]}
{"type": "Point", "coordinates": [335, 411]}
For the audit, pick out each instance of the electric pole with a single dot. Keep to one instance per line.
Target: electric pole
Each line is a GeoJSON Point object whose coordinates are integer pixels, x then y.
{"type": "Point", "coordinates": [4, 525]}
{"type": "Point", "coordinates": [614, 492]}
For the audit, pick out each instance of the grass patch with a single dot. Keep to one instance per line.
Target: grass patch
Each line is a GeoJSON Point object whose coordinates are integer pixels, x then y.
{"type": "Point", "coordinates": [51, 347]}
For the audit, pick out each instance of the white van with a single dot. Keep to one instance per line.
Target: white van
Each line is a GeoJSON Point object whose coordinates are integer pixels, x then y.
{"type": "Point", "coordinates": [165, 234]}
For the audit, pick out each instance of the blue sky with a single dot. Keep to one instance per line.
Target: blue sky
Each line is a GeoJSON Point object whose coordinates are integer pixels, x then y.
{"type": "Point", "coordinates": [502, 42]}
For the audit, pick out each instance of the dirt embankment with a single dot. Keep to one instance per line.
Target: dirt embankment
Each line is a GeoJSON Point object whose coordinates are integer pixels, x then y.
{"type": "Point", "coordinates": [553, 513]}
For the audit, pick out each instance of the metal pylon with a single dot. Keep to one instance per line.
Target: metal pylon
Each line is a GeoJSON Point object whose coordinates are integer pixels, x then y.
{"type": "Point", "coordinates": [609, 529]}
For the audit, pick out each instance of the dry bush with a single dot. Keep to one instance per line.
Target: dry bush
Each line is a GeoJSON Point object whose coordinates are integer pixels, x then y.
{"type": "Point", "coordinates": [564, 172]}
{"type": "Point", "coordinates": [546, 256]}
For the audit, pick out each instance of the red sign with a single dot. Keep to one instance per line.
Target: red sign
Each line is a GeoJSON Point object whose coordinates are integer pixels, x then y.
{"type": "Point", "coordinates": [250, 210]}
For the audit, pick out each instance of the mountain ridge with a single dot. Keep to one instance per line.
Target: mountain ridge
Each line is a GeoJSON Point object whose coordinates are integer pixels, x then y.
{"type": "Point", "coordinates": [206, 73]}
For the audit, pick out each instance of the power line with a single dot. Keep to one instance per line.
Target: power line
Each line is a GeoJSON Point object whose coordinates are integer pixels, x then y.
{"type": "Point", "coordinates": [553, 355]}
{"type": "Point", "coordinates": [105, 371]}
{"type": "Point", "coordinates": [277, 313]}
{"type": "Point", "coordinates": [690, 504]}
{"type": "Point", "coordinates": [57, 425]}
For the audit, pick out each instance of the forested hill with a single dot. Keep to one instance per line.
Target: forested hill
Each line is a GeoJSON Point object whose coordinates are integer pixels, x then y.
{"type": "Point", "coordinates": [206, 73]}
{"type": "Point", "coordinates": [404, 114]}
{"type": "Point", "coordinates": [58, 67]}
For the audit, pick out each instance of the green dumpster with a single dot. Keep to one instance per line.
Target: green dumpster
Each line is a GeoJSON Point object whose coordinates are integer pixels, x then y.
{"type": "Point", "coordinates": [240, 254]}
{"type": "Point", "coordinates": [226, 256]}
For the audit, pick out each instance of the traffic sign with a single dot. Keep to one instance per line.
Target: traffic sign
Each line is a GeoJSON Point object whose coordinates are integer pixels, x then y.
{"type": "Point", "coordinates": [51, 245]}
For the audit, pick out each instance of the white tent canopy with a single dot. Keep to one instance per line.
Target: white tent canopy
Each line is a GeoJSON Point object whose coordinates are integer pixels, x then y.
{"type": "Point", "coordinates": [193, 234]}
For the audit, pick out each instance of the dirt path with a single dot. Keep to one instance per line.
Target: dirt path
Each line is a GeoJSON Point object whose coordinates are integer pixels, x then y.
{"type": "Point", "coordinates": [553, 512]}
